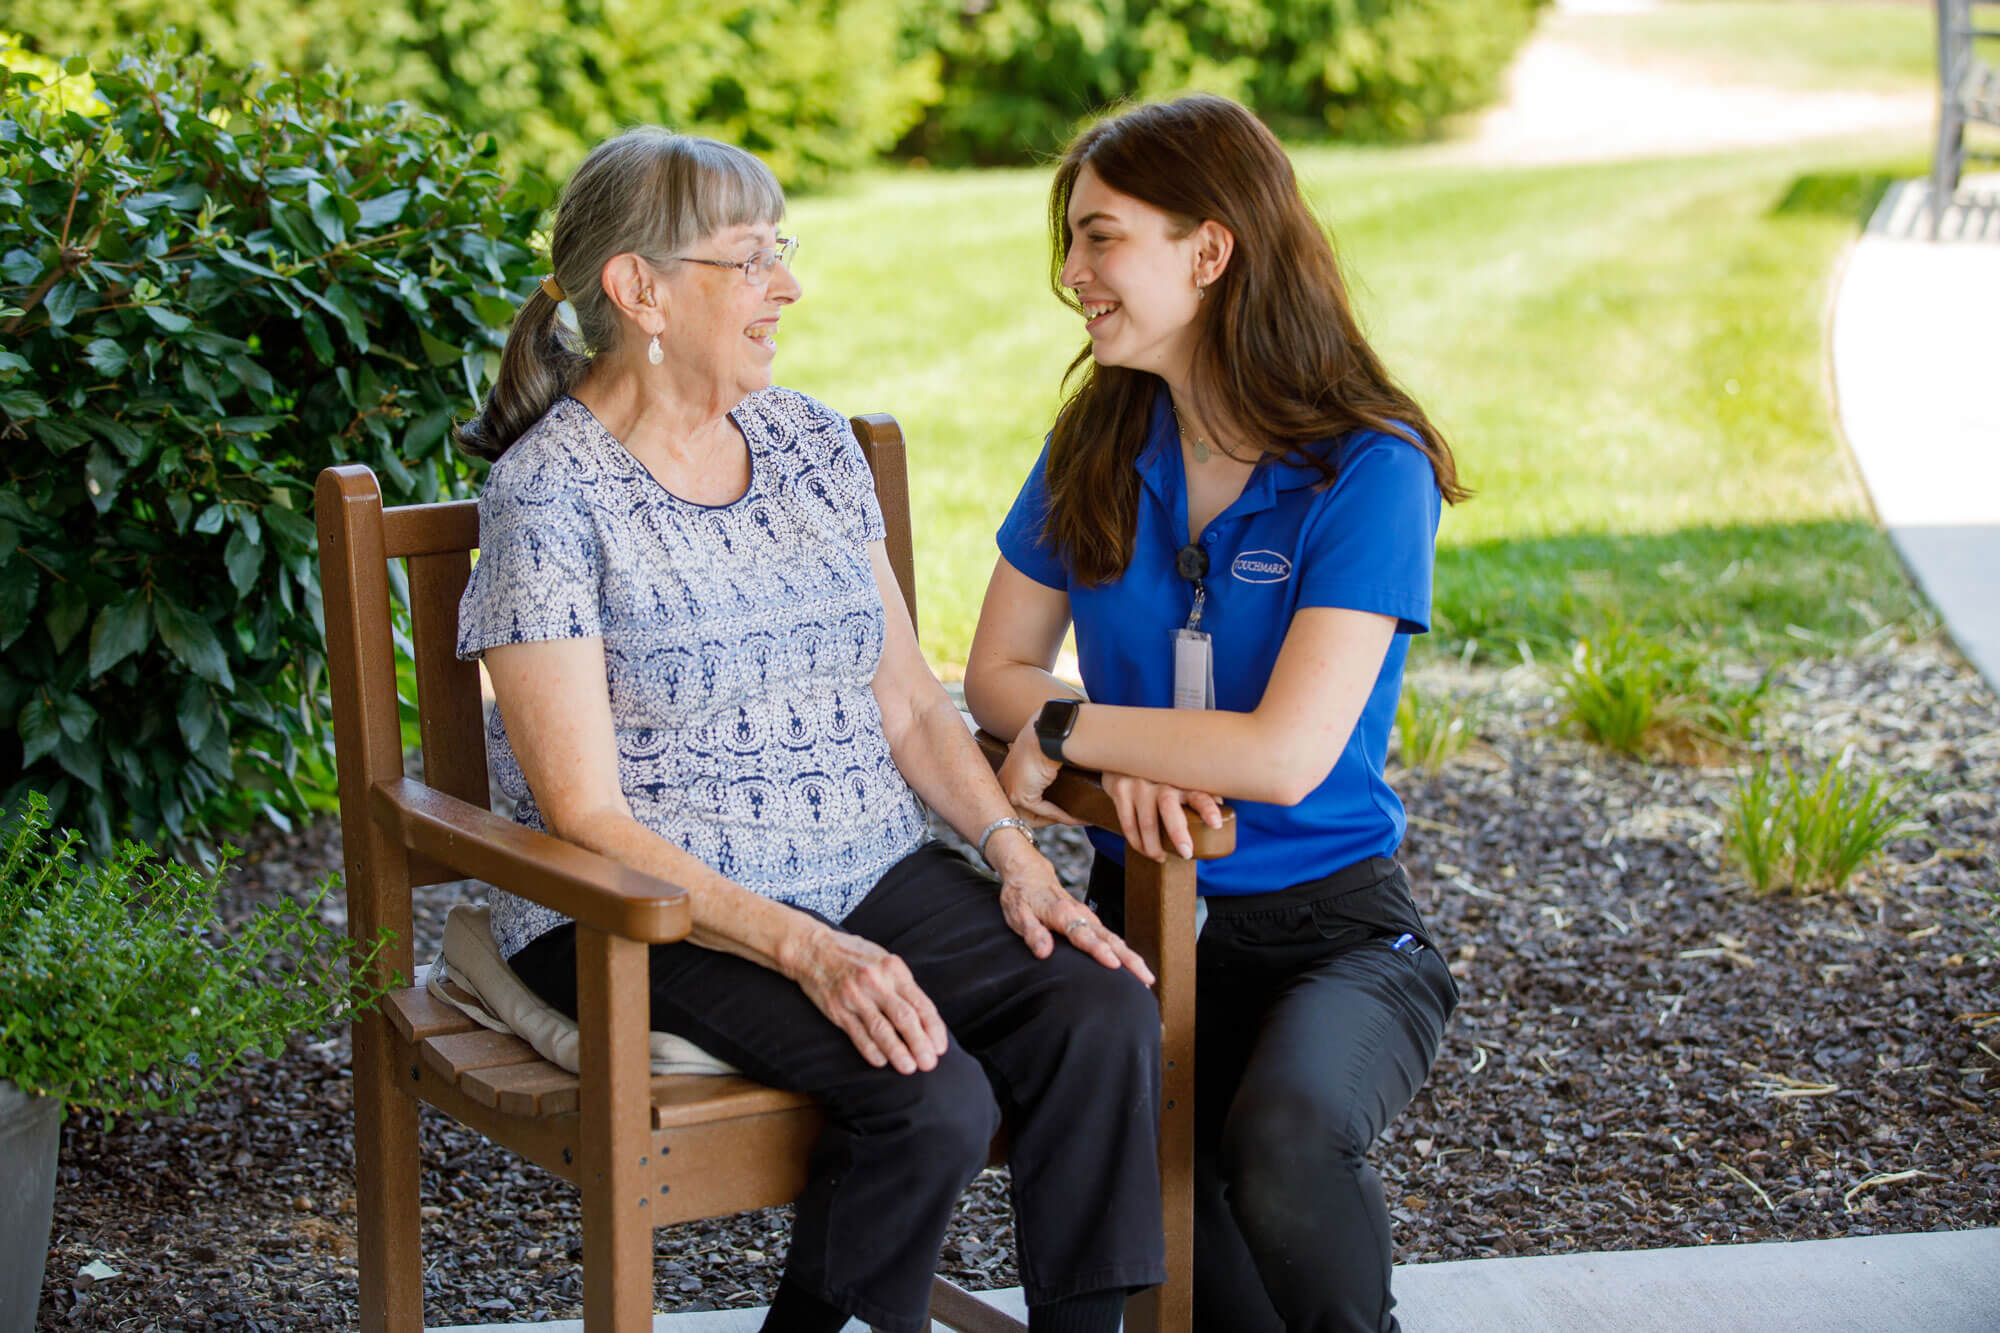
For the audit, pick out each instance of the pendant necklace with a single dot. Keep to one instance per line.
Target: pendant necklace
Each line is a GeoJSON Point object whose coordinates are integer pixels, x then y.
{"type": "Point", "coordinates": [1198, 445]}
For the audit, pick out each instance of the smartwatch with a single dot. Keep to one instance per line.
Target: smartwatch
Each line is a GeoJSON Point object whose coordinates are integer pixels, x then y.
{"type": "Point", "coordinates": [1054, 724]}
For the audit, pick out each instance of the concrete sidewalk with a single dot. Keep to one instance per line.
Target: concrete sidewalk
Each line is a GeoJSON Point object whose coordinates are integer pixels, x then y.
{"type": "Point", "coordinates": [1941, 1282]}
{"type": "Point", "coordinates": [1916, 360]}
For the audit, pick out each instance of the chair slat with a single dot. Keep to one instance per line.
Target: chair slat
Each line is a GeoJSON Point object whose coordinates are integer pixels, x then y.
{"type": "Point", "coordinates": [418, 1015]}
{"type": "Point", "coordinates": [682, 1100]}
{"type": "Point", "coordinates": [433, 529]}
{"type": "Point", "coordinates": [450, 717]}
{"type": "Point", "coordinates": [539, 1090]}
{"type": "Point", "coordinates": [453, 1055]}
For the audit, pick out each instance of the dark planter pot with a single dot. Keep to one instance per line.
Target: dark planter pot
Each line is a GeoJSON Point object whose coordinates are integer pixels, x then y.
{"type": "Point", "coordinates": [30, 1134]}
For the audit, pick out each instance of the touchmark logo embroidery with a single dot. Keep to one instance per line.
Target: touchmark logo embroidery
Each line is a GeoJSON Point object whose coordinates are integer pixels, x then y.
{"type": "Point", "coordinates": [1261, 567]}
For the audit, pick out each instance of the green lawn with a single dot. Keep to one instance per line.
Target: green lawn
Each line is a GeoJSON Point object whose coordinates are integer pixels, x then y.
{"type": "Point", "coordinates": [1628, 359]}
{"type": "Point", "coordinates": [1867, 47]}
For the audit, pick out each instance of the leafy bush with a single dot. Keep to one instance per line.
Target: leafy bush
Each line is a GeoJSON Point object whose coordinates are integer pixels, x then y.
{"type": "Point", "coordinates": [207, 293]}
{"type": "Point", "coordinates": [1640, 696]}
{"type": "Point", "coordinates": [1787, 834]}
{"type": "Point", "coordinates": [813, 86]}
{"type": "Point", "coordinates": [117, 990]}
{"type": "Point", "coordinates": [1018, 74]}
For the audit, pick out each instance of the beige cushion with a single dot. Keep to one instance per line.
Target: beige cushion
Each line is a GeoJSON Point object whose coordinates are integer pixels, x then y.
{"type": "Point", "coordinates": [472, 977]}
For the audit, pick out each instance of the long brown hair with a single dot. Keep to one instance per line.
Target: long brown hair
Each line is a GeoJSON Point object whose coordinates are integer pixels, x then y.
{"type": "Point", "coordinates": [649, 192]}
{"type": "Point", "coordinates": [1280, 354]}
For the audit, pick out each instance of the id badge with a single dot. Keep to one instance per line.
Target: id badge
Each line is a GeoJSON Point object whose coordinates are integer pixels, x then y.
{"type": "Point", "coordinates": [1194, 669]}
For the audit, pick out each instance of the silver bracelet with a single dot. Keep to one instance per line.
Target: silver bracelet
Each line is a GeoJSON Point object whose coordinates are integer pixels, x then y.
{"type": "Point", "coordinates": [1011, 821]}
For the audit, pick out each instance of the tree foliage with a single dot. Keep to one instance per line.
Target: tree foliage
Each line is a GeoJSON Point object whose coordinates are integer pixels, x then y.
{"type": "Point", "coordinates": [815, 87]}
{"type": "Point", "coordinates": [209, 291]}
{"type": "Point", "coordinates": [1019, 74]}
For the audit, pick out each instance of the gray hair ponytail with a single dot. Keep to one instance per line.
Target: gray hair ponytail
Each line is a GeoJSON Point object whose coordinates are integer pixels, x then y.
{"type": "Point", "coordinates": [648, 192]}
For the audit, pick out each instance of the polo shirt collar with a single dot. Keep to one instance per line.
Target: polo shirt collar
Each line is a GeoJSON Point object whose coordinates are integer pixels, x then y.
{"type": "Point", "coordinates": [1162, 472]}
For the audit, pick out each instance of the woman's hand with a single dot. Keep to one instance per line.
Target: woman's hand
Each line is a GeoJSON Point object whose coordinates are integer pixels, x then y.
{"type": "Point", "coordinates": [1147, 811]}
{"type": "Point", "coordinates": [1025, 775]}
{"type": "Point", "coordinates": [870, 995]}
{"type": "Point", "coordinates": [1038, 908]}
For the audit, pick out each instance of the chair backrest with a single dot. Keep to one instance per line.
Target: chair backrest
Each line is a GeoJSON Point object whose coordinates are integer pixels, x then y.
{"type": "Point", "coordinates": [360, 545]}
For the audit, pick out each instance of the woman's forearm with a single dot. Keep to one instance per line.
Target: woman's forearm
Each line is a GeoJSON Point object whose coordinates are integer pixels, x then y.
{"type": "Point", "coordinates": [1237, 756]}
{"type": "Point", "coordinates": [1004, 695]}
{"type": "Point", "coordinates": [725, 916]}
{"type": "Point", "coordinates": [942, 763]}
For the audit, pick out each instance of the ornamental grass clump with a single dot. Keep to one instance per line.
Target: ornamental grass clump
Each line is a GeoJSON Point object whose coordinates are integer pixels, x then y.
{"type": "Point", "coordinates": [1656, 700]}
{"type": "Point", "coordinates": [120, 991]}
{"type": "Point", "coordinates": [1432, 729]}
{"type": "Point", "coordinates": [212, 286]}
{"type": "Point", "coordinates": [1788, 834]}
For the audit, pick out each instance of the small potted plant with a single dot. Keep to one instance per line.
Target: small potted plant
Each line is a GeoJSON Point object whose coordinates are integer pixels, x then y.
{"type": "Point", "coordinates": [121, 992]}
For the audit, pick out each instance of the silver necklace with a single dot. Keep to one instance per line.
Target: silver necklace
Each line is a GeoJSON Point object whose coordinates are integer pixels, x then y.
{"type": "Point", "coordinates": [1198, 445]}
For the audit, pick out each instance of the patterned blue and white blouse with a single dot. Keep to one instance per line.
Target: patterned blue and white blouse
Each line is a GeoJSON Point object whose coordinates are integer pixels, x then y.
{"type": "Point", "coordinates": [740, 642]}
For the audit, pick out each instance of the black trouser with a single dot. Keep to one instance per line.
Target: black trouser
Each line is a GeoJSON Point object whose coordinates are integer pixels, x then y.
{"type": "Point", "coordinates": [1066, 1048]}
{"type": "Point", "coordinates": [1312, 1032]}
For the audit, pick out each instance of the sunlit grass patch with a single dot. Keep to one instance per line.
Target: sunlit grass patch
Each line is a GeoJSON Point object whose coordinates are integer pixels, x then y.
{"type": "Point", "coordinates": [1656, 699]}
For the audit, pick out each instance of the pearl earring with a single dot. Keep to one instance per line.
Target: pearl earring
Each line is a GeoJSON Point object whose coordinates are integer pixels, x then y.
{"type": "Point", "coordinates": [1200, 292]}
{"type": "Point", "coordinates": [654, 354]}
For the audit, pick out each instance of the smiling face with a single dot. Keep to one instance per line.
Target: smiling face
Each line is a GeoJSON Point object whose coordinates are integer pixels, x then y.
{"type": "Point", "coordinates": [1132, 268]}
{"type": "Point", "coordinates": [721, 330]}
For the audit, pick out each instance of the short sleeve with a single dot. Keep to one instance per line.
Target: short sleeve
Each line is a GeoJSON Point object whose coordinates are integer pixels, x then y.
{"type": "Point", "coordinates": [1370, 543]}
{"type": "Point", "coordinates": [1022, 537]}
{"type": "Point", "coordinates": [537, 576]}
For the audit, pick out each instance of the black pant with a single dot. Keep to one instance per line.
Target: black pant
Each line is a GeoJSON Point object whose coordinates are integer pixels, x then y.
{"type": "Point", "coordinates": [1312, 1033]}
{"type": "Point", "coordinates": [1066, 1048]}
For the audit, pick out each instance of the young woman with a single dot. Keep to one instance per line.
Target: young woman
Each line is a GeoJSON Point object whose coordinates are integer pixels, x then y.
{"type": "Point", "coordinates": [704, 670]}
{"type": "Point", "coordinates": [1237, 509]}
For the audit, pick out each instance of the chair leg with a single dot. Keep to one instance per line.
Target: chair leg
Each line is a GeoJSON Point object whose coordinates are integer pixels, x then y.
{"type": "Point", "coordinates": [1159, 920]}
{"type": "Point", "coordinates": [614, 1108]}
{"type": "Point", "coordinates": [389, 1245]}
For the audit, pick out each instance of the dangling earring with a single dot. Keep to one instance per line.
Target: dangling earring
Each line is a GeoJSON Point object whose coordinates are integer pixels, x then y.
{"type": "Point", "coordinates": [1200, 290]}
{"type": "Point", "coordinates": [653, 353]}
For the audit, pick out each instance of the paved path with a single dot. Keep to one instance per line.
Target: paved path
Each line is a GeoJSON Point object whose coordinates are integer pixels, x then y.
{"type": "Point", "coordinates": [1941, 1282]}
{"type": "Point", "coordinates": [1916, 368]}
{"type": "Point", "coordinates": [1569, 102]}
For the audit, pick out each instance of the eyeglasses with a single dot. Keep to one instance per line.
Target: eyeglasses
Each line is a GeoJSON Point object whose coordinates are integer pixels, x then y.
{"type": "Point", "coordinates": [757, 269]}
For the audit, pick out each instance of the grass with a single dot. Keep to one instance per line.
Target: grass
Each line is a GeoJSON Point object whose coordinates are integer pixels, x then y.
{"type": "Point", "coordinates": [1806, 44]}
{"type": "Point", "coordinates": [1434, 727]}
{"type": "Point", "coordinates": [1655, 698]}
{"type": "Point", "coordinates": [1787, 834]}
{"type": "Point", "coordinates": [1627, 357]}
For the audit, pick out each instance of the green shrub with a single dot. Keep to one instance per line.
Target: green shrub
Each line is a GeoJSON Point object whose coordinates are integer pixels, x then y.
{"type": "Point", "coordinates": [1018, 74]}
{"type": "Point", "coordinates": [208, 292]}
{"type": "Point", "coordinates": [1655, 698]}
{"type": "Point", "coordinates": [118, 989]}
{"type": "Point", "coordinates": [1787, 834]}
{"type": "Point", "coordinates": [1434, 728]}
{"type": "Point", "coordinates": [815, 87]}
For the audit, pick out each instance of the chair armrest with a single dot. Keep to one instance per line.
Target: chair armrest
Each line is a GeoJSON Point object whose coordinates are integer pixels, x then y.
{"type": "Point", "coordinates": [595, 890]}
{"type": "Point", "coordinates": [1081, 792]}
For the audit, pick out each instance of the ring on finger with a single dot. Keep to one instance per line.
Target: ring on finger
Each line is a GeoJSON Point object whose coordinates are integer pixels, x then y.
{"type": "Point", "coordinates": [1070, 929]}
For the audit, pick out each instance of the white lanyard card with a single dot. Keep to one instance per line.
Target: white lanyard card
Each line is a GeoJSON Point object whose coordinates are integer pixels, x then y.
{"type": "Point", "coordinates": [1194, 660]}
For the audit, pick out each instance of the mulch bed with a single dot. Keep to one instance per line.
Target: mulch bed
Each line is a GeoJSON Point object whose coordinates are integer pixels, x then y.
{"type": "Point", "coordinates": [1646, 1055]}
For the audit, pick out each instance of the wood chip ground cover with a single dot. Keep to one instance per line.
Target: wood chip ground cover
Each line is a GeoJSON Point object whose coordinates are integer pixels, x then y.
{"type": "Point", "coordinates": [1646, 1055]}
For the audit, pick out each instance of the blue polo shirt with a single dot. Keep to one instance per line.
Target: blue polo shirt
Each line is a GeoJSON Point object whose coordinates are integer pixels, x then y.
{"type": "Point", "coordinates": [1363, 542]}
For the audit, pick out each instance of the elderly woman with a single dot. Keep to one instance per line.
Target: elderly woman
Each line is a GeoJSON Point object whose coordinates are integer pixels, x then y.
{"type": "Point", "coordinates": [704, 670]}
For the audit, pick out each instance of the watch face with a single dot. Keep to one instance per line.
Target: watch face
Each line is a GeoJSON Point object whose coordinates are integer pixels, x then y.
{"type": "Point", "coordinates": [1057, 718]}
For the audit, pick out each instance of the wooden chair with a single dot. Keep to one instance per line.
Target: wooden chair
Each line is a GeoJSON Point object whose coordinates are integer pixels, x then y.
{"type": "Point", "coordinates": [644, 1151]}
